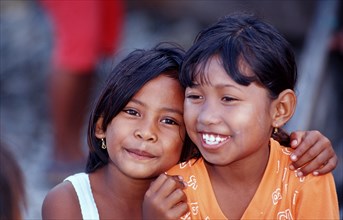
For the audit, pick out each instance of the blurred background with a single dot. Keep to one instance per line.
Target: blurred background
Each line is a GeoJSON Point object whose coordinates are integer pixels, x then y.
{"type": "Point", "coordinates": [314, 28]}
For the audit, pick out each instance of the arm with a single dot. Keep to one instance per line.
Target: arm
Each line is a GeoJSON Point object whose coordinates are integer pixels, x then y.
{"type": "Point", "coordinates": [313, 153]}
{"type": "Point", "coordinates": [165, 199]}
{"type": "Point", "coordinates": [61, 203]}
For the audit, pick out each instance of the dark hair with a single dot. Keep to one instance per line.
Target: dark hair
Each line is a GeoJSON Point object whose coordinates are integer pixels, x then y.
{"type": "Point", "coordinates": [241, 37]}
{"type": "Point", "coordinates": [12, 186]}
{"type": "Point", "coordinates": [126, 79]}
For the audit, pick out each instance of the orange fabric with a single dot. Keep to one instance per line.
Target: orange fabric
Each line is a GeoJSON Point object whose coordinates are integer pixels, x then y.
{"type": "Point", "coordinates": [280, 195]}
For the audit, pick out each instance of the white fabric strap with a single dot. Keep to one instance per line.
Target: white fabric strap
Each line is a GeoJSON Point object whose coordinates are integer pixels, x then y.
{"type": "Point", "coordinates": [83, 190]}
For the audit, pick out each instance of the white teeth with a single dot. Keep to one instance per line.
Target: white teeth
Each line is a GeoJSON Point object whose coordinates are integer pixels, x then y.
{"type": "Point", "coordinates": [218, 139]}
{"type": "Point", "coordinates": [211, 139]}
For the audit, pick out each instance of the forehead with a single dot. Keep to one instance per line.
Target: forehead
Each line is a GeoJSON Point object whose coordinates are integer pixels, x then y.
{"type": "Point", "coordinates": [215, 69]}
{"type": "Point", "coordinates": [162, 91]}
{"type": "Point", "coordinates": [161, 83]}
{"type": "Point", "coordinates": [210, 71]}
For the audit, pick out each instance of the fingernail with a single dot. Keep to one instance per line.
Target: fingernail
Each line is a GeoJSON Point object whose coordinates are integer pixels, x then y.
{"type": "Point", "coordinates": [315, 173]}
{"type": "Point", "coordinates": [294, 157]}
{"type": "Point", "coordinates": [180, 178]}
{"type": "Point", "coordinates": [291, 167]}
{"type": "Point", "coordinates": [300, 174]}
{"type": "Point", "coordinates": [294, 143]}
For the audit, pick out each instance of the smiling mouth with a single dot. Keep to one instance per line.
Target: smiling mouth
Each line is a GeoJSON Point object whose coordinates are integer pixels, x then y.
{"type": "Point", "coordinates": [213, 139]}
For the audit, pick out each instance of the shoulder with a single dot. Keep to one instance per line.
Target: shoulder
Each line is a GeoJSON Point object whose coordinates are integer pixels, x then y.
{"type": "Point", "coordinates": [280, 153]}
{"type": "Point", "coordinates": [61, 202]}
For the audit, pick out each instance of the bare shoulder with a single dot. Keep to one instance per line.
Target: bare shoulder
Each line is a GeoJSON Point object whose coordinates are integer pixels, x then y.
{"type": "Point", "coordinates": [61, 202]}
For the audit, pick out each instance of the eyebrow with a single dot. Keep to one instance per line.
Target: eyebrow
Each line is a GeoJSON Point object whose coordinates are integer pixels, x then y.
{"type": "Point", "coordinates": [220, 85]}
{"type": "Point", "coordinates": [227, 86]}
{"type": "Point", "coordinates": [164, 108]}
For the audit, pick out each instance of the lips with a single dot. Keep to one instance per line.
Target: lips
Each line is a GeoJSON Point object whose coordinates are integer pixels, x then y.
{"type": "Point", "coordinates": [213, 140]}
{"type": "Point", "coordinates": [139, 154]}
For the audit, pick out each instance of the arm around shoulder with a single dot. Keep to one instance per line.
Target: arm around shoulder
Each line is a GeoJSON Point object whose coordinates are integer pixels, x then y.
{"type": "Point", "coordinates": [61, 202]}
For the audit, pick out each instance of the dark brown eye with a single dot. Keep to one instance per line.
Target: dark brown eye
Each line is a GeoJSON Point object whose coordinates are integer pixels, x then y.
{"type": "Point", "coordinates": [131, 112]}
{"type": "Point", "coordinates": [169, 121]}
{"type": "Point", "coordinates": [228, 99]}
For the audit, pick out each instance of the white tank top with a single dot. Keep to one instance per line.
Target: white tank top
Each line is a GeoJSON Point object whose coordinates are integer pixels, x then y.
{"type": "Point", "coordinates": [83, 190]}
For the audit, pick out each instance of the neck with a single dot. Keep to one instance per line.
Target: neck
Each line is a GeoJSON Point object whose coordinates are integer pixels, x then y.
{"type": "Point", "coordinates": [118, 195]}
{"type": "Point", "coordinates": [125, 187]}
{"type": "Point", "coordinates": [236, 183]}
{"type": "Point", "coordinates": [247, 171]}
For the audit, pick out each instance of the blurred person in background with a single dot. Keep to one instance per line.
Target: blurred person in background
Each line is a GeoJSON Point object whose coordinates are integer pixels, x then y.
{"type": "Point", "coordinates": [12, 190]}
{"type": "Point", "coordinates": [84, 32]}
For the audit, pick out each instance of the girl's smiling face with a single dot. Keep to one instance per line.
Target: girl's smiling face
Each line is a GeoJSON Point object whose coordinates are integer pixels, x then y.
{"type": "Point", "coordinates": [227, 121]}
{"type": "Point", "coordinates": [146, 137]}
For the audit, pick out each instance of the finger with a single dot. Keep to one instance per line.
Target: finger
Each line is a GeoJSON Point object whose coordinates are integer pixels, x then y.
{"type": "Point", "coordinates": [327, 167]}
{"type": "Point", "coordinates": [170, 184]}
{"type": "Point", "coordinates": [181, 209]}
{"type": "Point", "coordinates": [325, 162]}
{"type": "Point", "coordinates": [317, 144]}
{"type": "Point", "coordinates": [157, 183]}
{"type": "Point", "coordinates": [178, 211]}
{"type": "Point", "coordinates": [176, 197]}
{"type": "Point", "coordinates": [306, 140]}
{"type": "Point", "coordinates": [296, 138]}
{"type": "Point", "coordinates": [170, 194]}
{"type": "Point", "coordinates": [309, 156]}
{"type": "Point", "coordinates": [314, 164]}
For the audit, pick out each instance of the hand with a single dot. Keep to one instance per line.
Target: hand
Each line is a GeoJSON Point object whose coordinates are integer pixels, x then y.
{"type": "Point", "coordinates": [165, 198]}
{"type": "Point", "coordinates": [313, 153]}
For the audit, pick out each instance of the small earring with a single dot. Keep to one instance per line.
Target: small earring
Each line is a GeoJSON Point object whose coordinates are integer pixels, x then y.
{"type": "Point", "coordinates": [276, 130]}
{"type": "Point", "coordinates": [103, 144]}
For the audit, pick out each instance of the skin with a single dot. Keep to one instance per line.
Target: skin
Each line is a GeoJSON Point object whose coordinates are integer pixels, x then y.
{"type": "Point", "coordinates": [235, 112]}
{"type": "Point", "coordinates": [231, 125]}
{"type": "Point", "coordinates": [146, 122]}
{"type": "Point", "coordinates": [157, 127]}
{"type": "Point", "coordinates": [143, 140]}
{"type": "Point", "coordinates": [231, 113]}
{"type": "Point", "coordinates": [313, 153]}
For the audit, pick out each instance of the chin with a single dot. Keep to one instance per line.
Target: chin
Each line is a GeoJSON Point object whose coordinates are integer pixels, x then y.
{"type": "Point", "coordinates": [215, 160]}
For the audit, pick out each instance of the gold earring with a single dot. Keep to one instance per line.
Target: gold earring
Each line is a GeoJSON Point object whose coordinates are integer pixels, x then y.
{"type": "Point", "coordinates": [276, 130]}
{"type": "Point", "coordinates": [103, 144]}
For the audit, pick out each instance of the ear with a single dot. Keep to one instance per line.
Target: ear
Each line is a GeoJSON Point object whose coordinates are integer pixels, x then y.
{"type": "Point", "coordinates": [283, 107]}
{"type": "Point", "coordinates": [99, 132]}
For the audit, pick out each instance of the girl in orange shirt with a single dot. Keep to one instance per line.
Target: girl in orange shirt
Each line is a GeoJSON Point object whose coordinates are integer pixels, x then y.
{"type": "Point", "coordinates": [240, 76]}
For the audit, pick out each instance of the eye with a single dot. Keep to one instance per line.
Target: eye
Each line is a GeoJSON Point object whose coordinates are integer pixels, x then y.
{"type": "Point", "coordinates": [193, 93]}
{"type": "Point", "coordinates": [229, 99]}
{"type": "Point", "coordinates": [191, 96]}
{"type": "Point", "coordinates": [131, 112]}
{"type": "Point", "coordinates": [169, 121]}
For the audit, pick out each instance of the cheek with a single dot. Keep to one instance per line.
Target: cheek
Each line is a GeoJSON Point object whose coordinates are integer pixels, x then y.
{"type": "Point", "coordinates": [190, 115]}
{"type": "Point", "coordinates": [250, 118]}
{"type": "Point", "coordinates": [173, 149]}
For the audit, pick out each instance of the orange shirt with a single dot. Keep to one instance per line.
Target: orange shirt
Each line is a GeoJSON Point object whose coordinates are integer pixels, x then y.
{"type": "Point", "coordinates": [280, 195]}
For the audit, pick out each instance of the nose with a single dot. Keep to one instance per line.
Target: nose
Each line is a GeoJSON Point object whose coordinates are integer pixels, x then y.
{"type": "Point", "coordinates": [209, 114]}
{"type": "Point", "coordinates": [146, 132]}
